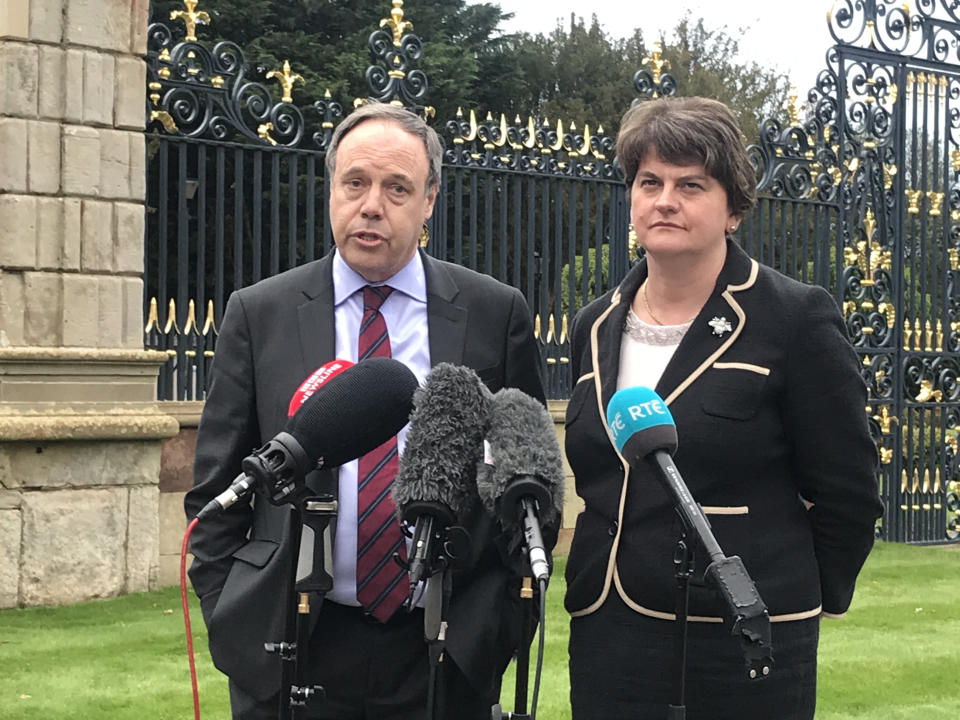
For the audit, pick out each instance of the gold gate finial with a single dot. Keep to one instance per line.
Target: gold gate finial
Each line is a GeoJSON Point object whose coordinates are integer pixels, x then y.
{"type": "Point", "coordinates": [191, 18]}
{"type": "Point", "coordinates": [287, 79]}
{"type": "Point", "coordinates": [792, 106]}
{"type": "Point", "coordinates": [657, 62]}
{"type": "Point", "coordinates": [397, 24]}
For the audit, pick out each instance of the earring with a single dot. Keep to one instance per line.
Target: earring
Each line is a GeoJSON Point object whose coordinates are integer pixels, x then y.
{"type": "Point", "coordinates": [424, 236]}
{"type": "Point", "coordinates": [632, 241]}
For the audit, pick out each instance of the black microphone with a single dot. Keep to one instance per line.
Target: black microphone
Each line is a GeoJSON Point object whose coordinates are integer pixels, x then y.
{"type": "Point", "coordinates": [350, 414]}
{"type": "Point", "coordinates": [643, 431]}
{"type": "Point", "coordinates": [437, 472]}
{"type": "Point", "coordinates": [523, 479]}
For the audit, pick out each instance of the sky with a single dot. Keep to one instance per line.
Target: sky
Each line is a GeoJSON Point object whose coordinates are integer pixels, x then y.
{"type": "Point", "coordinates": [790, 38]}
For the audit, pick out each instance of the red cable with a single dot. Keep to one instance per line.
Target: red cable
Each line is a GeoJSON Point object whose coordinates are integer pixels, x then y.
{"type": "Point", "coordinates": [186, 617]}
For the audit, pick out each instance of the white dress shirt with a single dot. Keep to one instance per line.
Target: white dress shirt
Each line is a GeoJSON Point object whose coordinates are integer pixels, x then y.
{"type": "Point", "coordinates": [405, 313]}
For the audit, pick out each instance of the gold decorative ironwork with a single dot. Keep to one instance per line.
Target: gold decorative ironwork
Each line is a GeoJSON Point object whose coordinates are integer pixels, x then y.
{"type": "Point", "coordinates": [286, 79]}
{"type": "Point", "coordinates": [869, 256]}
{"type": "Point", "coordinates": [263, 132]}
{"type": "Point", "coordinates": [536, 326]}
{"type": "Point", "coordinates": [153, 320]}
{"type": "Point", "coordinates": [953, 256]}
{"type": "Point", "coordinates": [889, 313]}
{"type": "Point", "coordinates": [884, 419]}
{"type": "Point", "coordinates": [655, 62]}
{"type": "Point", "coordinates": [191, 17]}
{"type": "Point", "coordinates": [886, 454]}
{"type": "Point", "coordinates": [792, 106]}
{"type": "Point", "coordinates": [955, 160]}
{"type": "Point", "coordinates": [936, 200]}
{"type": "Point", "coordinates": [889, 172]}
{"type": "Point", "coordinates": [171, 324]}
{"type": "Point", "coordinates": [398, 26]}
{"type": "Point", "coordinates": [913, 201]}
{"type": "Point", "coordinates": [208, 322]}
{"type": "Point", "coordinates": [632, 241]}
{"type": "Point", "coordinates": [927, 392]}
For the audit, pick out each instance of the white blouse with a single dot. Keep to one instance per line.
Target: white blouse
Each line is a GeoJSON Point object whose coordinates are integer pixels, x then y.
{"type": "Point", "coordinates": [646, 349]}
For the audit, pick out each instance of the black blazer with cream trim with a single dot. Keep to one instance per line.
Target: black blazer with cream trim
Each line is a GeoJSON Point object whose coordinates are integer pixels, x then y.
{"type": "Point", "coordinates": [768, 414]}
{"type": "Point", "coordinates": [275, 333]}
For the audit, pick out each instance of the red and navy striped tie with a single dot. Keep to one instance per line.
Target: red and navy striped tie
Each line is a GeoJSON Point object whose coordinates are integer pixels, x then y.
{"type": "Point", "coordinates": [380, 586]}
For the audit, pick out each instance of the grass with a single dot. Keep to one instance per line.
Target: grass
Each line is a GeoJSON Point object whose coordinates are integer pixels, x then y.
{"type": "Point", "coordinates": [895, 656]}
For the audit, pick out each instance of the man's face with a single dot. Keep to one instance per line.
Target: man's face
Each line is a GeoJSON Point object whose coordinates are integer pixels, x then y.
{"type": "Point", "coordinates": [379, 198]}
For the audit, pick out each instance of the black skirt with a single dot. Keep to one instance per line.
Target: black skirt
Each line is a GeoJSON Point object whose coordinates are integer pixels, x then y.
{"type": "Point", "coordinates": [623, 666]}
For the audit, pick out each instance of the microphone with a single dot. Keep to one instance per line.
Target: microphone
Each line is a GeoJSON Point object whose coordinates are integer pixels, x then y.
{"type": "Point", "coordinates": [643, 429]}
{"type": "Point", "coordinates": [522, 481]}
{"type": "Point", "coordinates": [350, 413]}
{"type": "Point", "coordinates": [437, 470]}
{"type": "Point", "coordinates": [314, 381]}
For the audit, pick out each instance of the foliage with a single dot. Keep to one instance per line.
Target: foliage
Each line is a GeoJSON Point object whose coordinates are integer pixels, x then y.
{"type": "Point", "coordinates": [585, 281]}
{"type": "Point", "coordinates": [579, 74]}
{"type": "Point", "coordinates": [326, 42]}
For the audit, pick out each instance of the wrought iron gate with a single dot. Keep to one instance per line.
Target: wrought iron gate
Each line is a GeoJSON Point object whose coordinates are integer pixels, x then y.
{"type": "Point", "coordinates": [878, 162]}
{"type": "Point", "coordinates": [860, 193]}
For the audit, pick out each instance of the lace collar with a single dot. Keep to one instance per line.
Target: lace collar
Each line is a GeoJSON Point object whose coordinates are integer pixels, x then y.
{"type": "Point", "coordinates": [648, 334]}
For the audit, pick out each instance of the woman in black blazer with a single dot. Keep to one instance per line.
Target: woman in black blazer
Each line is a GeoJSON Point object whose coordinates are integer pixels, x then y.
{"type": "Point", "coordinates": [766, 393]}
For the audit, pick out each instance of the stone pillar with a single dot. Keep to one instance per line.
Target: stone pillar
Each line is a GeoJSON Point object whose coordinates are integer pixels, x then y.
{"type": "Point", "coordinates": [80, 430]}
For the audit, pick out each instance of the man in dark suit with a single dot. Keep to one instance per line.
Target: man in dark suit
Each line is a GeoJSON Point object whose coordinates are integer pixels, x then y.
{"type": "Point", "coordinates": [384, 164]}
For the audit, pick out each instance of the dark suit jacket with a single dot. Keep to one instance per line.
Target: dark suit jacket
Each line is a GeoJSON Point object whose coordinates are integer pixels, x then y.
{"type": "Point", "coordinates": [273, 335]}
{"type": "Point", "coordinates": [768, 412]}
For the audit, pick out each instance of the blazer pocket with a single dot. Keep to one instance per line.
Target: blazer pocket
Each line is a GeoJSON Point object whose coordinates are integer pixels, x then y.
{"type": "Point", "coordinates": [256, 552]}
{"type": "Point", "coordinates": [733, 390]}
{"type": "Point", "coordinates": [730, 526]}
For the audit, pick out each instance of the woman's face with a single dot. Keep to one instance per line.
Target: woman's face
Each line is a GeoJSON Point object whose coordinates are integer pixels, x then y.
{"type": "Point", "coordinates": [678, 209]}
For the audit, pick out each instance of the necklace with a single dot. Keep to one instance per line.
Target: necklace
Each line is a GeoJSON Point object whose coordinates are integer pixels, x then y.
{"type": "Point", "coordinates": [646, 304]}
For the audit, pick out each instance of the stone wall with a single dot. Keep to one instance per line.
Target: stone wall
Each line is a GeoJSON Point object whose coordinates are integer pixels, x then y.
{"type": "Point", "coordinates": [80, 430]}
{"type": "Point", "coordinates": [72, 89]}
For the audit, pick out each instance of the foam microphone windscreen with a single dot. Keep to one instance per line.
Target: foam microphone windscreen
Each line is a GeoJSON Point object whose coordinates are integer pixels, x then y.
{"type": "Point", "coordinates": [445, 440]}
{"type": "Point", "coordinates": [355, 412]}
{"type": "Point", "coordinates": [522, 444]}
{"type": "Point", "coordinates": [640, 423]}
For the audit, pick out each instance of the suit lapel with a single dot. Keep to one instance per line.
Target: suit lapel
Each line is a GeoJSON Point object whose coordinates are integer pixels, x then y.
{"type": "Point", "coordinates": [607, 333]}
{"type": "Point", "coordinates": [716, 328]}
{"type": "Point", "coordinates": [315, 317]}
{"type": "Point", "coordinates": [447, 322]}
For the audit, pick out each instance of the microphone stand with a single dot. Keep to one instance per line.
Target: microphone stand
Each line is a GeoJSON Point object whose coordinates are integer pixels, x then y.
{"type": "Point", "coordinates": [683, 565]}
{"type": "Point", "coordinates": [310, 532]}
{"type": "Point", "coordinates": [522, 680]}
{"type": "Point", "coordinates": [454, 550]}
{"type": "Point", "coordinates": [746, 611]}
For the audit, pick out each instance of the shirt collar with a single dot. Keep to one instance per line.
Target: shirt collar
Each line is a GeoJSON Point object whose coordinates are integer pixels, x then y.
{"type": "Point", "coordinates": [410, 279]}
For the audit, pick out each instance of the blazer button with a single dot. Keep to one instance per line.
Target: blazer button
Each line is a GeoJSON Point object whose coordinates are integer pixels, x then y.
{"type": "Point", "coordinates": [612, 530]}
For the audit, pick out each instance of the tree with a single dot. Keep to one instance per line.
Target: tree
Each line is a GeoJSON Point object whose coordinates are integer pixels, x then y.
{"type": "Point", "coordinates": [326, 41]}
{"type": "Point", "coordinates": [705, 62]}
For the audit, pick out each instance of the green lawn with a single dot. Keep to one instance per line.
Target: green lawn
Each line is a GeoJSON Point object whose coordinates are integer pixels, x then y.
{"type": "Point", "coordinates": [896, 654]}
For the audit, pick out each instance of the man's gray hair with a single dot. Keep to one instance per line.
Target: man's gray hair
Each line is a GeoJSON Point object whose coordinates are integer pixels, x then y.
{"type": "Point", "coordinates": [407, 120]}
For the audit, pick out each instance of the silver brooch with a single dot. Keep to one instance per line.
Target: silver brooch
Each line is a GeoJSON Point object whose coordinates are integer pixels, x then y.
{"type": "Point", "coordinates": [720, 326]}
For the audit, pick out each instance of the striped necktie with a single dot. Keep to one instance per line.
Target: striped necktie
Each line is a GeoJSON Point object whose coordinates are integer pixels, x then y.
{"type": "Point", "coordinates": [380, 589]}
